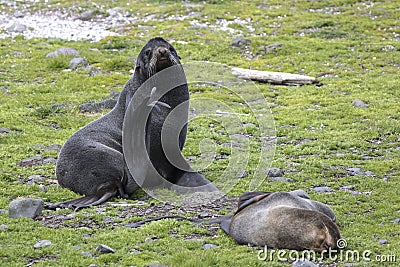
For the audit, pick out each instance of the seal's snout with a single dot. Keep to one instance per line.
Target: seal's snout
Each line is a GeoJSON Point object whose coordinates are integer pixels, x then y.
{"type": "Point", "coordinates": [162, 52]}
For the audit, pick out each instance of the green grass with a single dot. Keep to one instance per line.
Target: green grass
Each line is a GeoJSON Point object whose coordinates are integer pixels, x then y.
{"type": "Point", "coordinates": [320, 133]}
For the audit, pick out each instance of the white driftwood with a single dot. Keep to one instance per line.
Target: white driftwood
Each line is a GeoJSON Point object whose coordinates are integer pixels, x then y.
{"type": "Point", "coordinates": [280, 78]}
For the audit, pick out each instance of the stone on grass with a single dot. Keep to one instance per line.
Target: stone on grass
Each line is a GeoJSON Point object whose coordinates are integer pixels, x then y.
{"type": "Point", "coordinates": [275, 172]}
{"type": "Point", "coordinates": [3, 227]}
{"type": "Point", "coordinates": [32, 161]}
{"type": "Point", "coordinates": [27, 207]}
{"type": "Point", "coordinates": [382, 241]}
{"type": "Point", "coordinates": [77, 62]}
{"type": "Point", "coordinates": [4, 130]}
{"type": "Point", "coordinates": [242, 174]}
{"type": "Point", "coordinates": [86, 254]}
{"type": "Point", "coordinates": [322, 189]}
{"type": "Point", "coordinates": [63, 51]}
{"type": "Point", "coordinates": [359, 103]}
{"type": "Point", "coordinates": [42, 243]}
{"type": "Point", "coordinates": [208, 246]}
{"type": "Point", "coordinates": [104, 249]}
{"type": "Point", "coordinates": [239, 42]}
{"type": "Point", "coordinates": [280, 179]}
{"type": "Point", "coordinates": [355, 171]}
{"type": "Point", "coordinates": [397, 220]}
{"type": "Point", "coordinates": [271, 47]}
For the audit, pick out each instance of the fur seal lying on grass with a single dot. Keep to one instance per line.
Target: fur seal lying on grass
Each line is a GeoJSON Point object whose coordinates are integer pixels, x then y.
{"type": "Point", "coordinates": [287, 220]}
{"type": "Point", "coordinates": [92, 163]}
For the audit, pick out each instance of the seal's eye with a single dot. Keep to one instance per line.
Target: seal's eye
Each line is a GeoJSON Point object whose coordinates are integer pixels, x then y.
{"type": "Point", "coordinates": [147, 52]}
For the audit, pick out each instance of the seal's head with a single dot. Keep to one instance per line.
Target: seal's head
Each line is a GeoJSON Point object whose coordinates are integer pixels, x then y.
{"type": "Point", "coordinates": [155, 56]}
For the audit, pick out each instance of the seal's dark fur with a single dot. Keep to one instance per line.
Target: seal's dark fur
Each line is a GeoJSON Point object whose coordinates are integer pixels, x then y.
{"type": "Point", "coordinates": [91, 162]}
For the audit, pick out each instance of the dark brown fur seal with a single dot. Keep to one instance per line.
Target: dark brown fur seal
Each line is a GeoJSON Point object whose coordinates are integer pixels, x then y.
{"type": "Point", "coordinates": [92, 163]}
{"type": "Point", "coordinates": [287, 220]}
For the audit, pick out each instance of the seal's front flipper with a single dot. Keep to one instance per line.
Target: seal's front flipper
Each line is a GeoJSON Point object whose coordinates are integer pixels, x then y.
{"type": "Point", "coordinates": [249, 198]}
{"type": "Point", "coordinates": [191, 182]}
{"type": "Point", "coordinates": [226, 223]}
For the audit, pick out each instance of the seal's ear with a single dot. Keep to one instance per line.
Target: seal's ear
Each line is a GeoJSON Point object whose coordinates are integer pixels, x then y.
{"type": "Point", "coordinates": [249, 198]}
{"type": "Point", "coordinates": [226, 223]}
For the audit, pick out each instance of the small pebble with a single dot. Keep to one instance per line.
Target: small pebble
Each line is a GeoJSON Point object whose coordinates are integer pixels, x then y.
{"type": "Point", "coordinates": [359, 103]}
{"type": "Point", "coordinates": [396, 220]}
{"type": "Point", "coordinates": [322, 189]}
{"type": "Point", "coordinates": [275, 172]}
{"type": "Point", "coordinates": [354, 171]}
{"type": "Point", "coordinates": [104, 249]}
{"type": "Point", "coordinates": [3, 227]}
{"type": "Point", "coordinates": [208, 246]}
{"type": "Point", "coordinates": [86, 254]}
{"type": "Point", "coordinates": [280, 179]}
{"type": "Point", "coordinates": [382, 241]}
{"type": "Point", "coordinates": [42, 243]}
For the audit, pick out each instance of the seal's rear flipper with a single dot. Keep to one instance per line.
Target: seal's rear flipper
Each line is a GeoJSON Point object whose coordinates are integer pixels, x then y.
{"type": "Point", "coordinates": [226, 223]}
{"type": "Point", "coordinates": [104, 192]}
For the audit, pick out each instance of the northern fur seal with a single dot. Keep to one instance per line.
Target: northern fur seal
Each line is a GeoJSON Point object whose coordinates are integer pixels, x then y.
{"type": "Point", "coordinates": [289, 220]}
{"type": "Point", "coordinates": [91, 162]}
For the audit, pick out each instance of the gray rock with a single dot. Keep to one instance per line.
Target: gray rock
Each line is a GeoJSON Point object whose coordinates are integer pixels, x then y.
{"type": "Point", "coordinates": [93, 265]}
{"type": "Point", "coordinates": [397, 220]}
{"type": "Point", "coordinates": [322, 189]}
{"type": "Point", "coordinates": [242, 174]}
{"type": "Point", "coordinates": [347, 187]}
{"type": "Point", "coordinates": [78, 62]}
{"type": "Point", "coordinates": [280, 179]}
{"type": "Point", "coordinates": [382, 241]}
{"type": "Point", "coordinates": [63, 51]}
{"type": "Point", "coordinates": [104, 249]}
{"type": "Point", "coordinates": [275, 172]}
{"type": "Point", "coordinates": [86, 16]}
{"type": "Point", "coordinates": [239, 42]}
{"type": "Point", "coordinates": [42, 188]}
{"type": "Point", "coordinates": [49, 160]}
{"type": "Point", "coordinates": [27, 207]}
{"type": "Point", "coordinates": [53, 147]}
{"type": "Point", "coordinates": [355, 171]}
{"type": "Point", "coordinates": [271, 47]}
{"type": "Point", "coordinates": [4, 130]}
{"type": "Point", "coordinates": [2, 211]}
{"type": "Point", "coordinates": [359, 103]}
{"type": "Point", "coordinates": [17, 27]}
{"type": "Point", "coordinates": [249, 124]}
{"type": "Point", "coordinates": [208, 246]}
{"type": "Point", "coordinates": [303, 263]}
{"type": "Point", "coordinates": [32, 161]}
{"type": "Point", "coordinates": [369, 173]}
{"type": "Point", "coordinates": [37, 178]}
{"type": "Point", "coordinates": [204, 214]}
{"type": "Point", "coordinates": [150, 239]}
{"type": "Point", "coordinates": [42, 243]}
{"type": "Point", "coordinates": [3, 227]}
{"type": "Point", "coordinates": [86, 254]}
{"type": "Point", "coordinates": [113, 12]}
{"type": "Point", "coordinates": [18, 15]}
